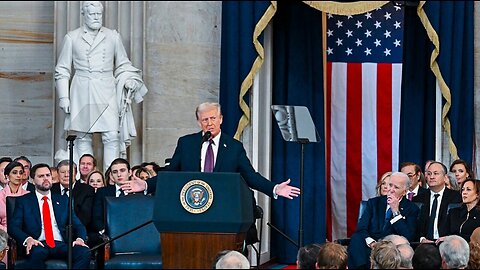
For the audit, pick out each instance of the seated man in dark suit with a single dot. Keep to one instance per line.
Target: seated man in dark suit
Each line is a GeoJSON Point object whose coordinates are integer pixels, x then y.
{"type": "Point", "coordinates": [383, 215]}
{"type": "Point", "coordinates": [49, 240]}
{"type": "Point", "coordinates": [83, 194]}
{"type": "Point", "coordinates": [415, 174]}
{"type": "Point", "coordinates": [432, 222]}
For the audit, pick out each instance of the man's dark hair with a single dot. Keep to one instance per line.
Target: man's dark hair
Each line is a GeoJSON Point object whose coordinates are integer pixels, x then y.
{"type": "Point", "coordinates": [35, 167]}
{"type": "Point", "coordinates": [307, 256]}
{"type": "Point", "coordinates": [120, 161]}
{"type": "Point", "coordinates": [24, 158]}
{"type": "Point", "coordinates": [91, 156]}
{"type": "Point", "coordinates": [426, 256]}
{"type": "Point", "coordinates": [5, 159]}
{"type": "Point", "coordinates": [155, 166]}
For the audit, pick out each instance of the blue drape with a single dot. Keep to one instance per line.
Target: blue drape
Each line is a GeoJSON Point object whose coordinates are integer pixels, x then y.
{"type": "Point", "coordinates": [237, 55]}
{"type": "Point", "coordinates": [453, 21]}
{"type": "Point", "coordinates": [298, 80]}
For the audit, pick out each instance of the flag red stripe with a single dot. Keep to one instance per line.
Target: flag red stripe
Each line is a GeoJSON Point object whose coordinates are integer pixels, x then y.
{"type": "Point", "coordinates": [354, 144]}
{"type": "Point", "coordinates": [384, 118]}
{"type": "Point", "coordinates": [328, 149]}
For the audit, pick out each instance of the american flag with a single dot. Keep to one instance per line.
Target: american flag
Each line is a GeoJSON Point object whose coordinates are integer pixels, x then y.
{"type": "Point", "coordinates": [364, 73]}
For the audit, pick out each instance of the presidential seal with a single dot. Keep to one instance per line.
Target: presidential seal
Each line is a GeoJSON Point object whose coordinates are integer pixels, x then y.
{"type": "Point", "coordinates": [196, 196]}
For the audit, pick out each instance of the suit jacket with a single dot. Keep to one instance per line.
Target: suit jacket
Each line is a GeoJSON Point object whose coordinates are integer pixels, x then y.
{"type": "Point", "coordinates": [83, 196]}
{"type": "Point", "coordinates": [27, 221]}
{"type": "Point", "coordinates": [98, 211]}
{"type": "Point", "coordinates": [231, 157]}
{"type": "Point", "coordinates": [463, 222]}
{"type": "Point", "coordinates": [373, 224]}
{"type": "Point", "coordinates": [449, 196]}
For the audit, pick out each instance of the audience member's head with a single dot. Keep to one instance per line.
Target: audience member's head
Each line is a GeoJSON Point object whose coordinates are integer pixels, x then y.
{"type": "Point", "coordinates": [3, 163]}
{"type": "Point", "coordinates": [475, 237]}
{"type": "Point", "coordinates": [406, 253]}
{"type": "Point", "coordinates": [233, 260]}
{"type": "Point", "coordinates": [385, 255]}
{"type": "Point", "coordinates": [219, 255]}
{"type": "Point", "coordinates": [332, 256]}
{"type": "Point", "coordinates": [474, 261]}
{"type": "Point", "coordinates": [455, 252]}
{"type": "Point", "coordinates": [396, 239]}
{"type": "Point", "coordinates": [426, 256]}
{"type": "Point", "coordinates": [307, 256]}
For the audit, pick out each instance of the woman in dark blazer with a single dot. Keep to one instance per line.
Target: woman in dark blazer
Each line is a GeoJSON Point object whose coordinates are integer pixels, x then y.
{"type": "Point", "coordinates": [466, 218]}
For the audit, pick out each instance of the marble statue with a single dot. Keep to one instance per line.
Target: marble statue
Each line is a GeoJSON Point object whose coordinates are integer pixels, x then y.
{"type": "Point", "coordinates": [98, 98]}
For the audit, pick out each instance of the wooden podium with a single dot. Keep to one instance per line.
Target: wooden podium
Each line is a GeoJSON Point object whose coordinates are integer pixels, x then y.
{"type": "Point", "coordinates": [199, 215]}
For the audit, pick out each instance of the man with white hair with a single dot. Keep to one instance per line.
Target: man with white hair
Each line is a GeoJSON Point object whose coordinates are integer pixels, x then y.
{"type": "Point", "coordinates": [233, 260]}
{"type": "Point", "coordinates": [455, 252]}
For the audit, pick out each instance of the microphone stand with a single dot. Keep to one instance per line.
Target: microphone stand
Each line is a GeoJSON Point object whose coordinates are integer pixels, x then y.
{"type": "Point", "coordinates": [70, 139]}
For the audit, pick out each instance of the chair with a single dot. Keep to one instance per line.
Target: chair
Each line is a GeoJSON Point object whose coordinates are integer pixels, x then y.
{"type": "Point", "coordinates": [16, 253]}
{"type": "Point", "coordinates": [258, 215]}
{"type": "Point", "coordinates": [139, 249]}
{"type": "Point", "coordinates": [361, 209]}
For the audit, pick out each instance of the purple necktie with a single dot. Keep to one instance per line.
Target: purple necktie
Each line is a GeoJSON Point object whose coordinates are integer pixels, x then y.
{"type": "Point", "coordinates": [410, 195]}
{"type": "Point", "coordinates": [208, 166]}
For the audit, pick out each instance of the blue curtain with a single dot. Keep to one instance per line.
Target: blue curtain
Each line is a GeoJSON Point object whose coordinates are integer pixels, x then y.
{"type": "Point", "coordinates": [453, 21]}
{"type": "Point", "coordinates": [417, 115]}
{"type": "Point", "coordinates": [237, 55]}
{"type": "Point", "coordinates": [298, 80]}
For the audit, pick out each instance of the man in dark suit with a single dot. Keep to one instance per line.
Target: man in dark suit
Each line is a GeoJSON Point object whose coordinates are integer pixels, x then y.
{"type": "Point", "coordinates": [120, 172]}
{"type": "Point", "coordinates": [383, 215]}
{"type": "Point", "coordinates": [50, 240]}
{"type": "Point", "coordinates": [432, 223]}
{"type": "Point", "coordinates": [415, 174]}
{"type": "Point", "coordinates": [83, 194]}
{"type": "Point", "coordinates": [227, 155]}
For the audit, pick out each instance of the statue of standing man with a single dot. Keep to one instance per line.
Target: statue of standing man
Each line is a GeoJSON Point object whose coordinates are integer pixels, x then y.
{"type": "Point", "coordinates": [103, 85]}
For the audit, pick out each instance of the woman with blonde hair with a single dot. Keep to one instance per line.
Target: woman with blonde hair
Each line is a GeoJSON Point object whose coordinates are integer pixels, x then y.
{"type": "Point", "coordinates": [382, 186]}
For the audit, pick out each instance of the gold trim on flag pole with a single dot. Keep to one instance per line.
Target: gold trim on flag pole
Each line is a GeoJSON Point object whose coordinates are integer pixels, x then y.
{"type": "Point", "coordinates": [433, 36]}
{"type": "Point", "coordinates": [248, 81]}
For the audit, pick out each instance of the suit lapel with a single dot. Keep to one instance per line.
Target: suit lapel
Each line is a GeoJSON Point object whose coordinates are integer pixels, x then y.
{"type": "Point", "coordinates": [222, 147]}
{"type": "Point", "coordinates": [100, 36]}
{"type": "Point", "coordinates": [36, 209]}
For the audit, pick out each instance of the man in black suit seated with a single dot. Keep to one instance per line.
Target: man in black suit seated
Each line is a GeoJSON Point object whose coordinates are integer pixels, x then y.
{"type": "Point", "coordinates": [432, 222]}
{"type": "Point", "coordinates": [415, 174]}
{"type": "Point", "coordinates": [383, 215]}
{"type": "Point", "coordinates": [83, 194]}
{"type": "Point", "coordinates": [120, 173]}
{"type": "Point", "coordinates": [49, 240]}
{"type": "Point", "coordinates": [228, 155]}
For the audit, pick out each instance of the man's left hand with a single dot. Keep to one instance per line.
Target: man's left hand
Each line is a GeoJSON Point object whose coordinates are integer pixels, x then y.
{"type": "Point", "coordinates": [79, 242]}
{"type": "Point", "coordinates": [131, 84]}
{"type": "Point", "coordinates": [287, 191]}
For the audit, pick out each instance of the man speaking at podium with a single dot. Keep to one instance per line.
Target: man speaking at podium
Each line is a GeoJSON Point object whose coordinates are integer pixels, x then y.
{"type": "Point", "coordinates": [210, 150]}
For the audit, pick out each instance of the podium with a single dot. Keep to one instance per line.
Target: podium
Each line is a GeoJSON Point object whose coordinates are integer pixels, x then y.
{"type": "Point", "coordinates": [199, 214]}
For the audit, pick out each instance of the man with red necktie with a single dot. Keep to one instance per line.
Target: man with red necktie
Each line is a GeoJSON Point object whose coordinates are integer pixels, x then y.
{"type": "Point", "coordinates": [40, 220]}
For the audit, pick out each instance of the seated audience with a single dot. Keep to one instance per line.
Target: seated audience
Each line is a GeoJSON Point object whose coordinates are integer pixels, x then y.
{"type": "Point", "coordinates": [455, 252]}
{"type": "Point", "coordinates": [3, 163]}
{"type": "Point", "coordinates": [416, 176]}
{"type": "Point", "coordinates": [451, 182]}
{"type": "Point", "coordinates": [432, 221]}
{"type": "Point", "coordinates": [307, 256]}
{"type": "Point", "coordinates": [55, 178]}
{"type": "Point", "coordinates": [383, 215]}
{"type": "Point", "coordinates": [44, 232]}
{"type": "Point", "coordinates": [86, 164]}
{"type": "Point", "coordinates": [233, 260]}
{"type": "Point", "coordinates": [385, 255]}
{"type": "Point", "coordinates": [427, 256]}
{"type": "Point", "coordinates": [332, 256]}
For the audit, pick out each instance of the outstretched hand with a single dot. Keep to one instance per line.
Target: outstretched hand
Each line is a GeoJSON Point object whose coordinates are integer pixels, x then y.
{"type": "Point", "coordinates": [284, 190]}
{"type": "Point", "coordinates": [134, 185]}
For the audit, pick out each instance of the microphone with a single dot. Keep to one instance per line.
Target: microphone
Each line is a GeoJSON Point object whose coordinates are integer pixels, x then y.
{"type": "Point", "coordinates": [206, 136]}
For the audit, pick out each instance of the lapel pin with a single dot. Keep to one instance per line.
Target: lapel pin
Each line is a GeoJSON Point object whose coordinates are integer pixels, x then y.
{"type": "Point", "coordinates": [224, 145]}
{"type": "Point", "coordinates": [58, 203]}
